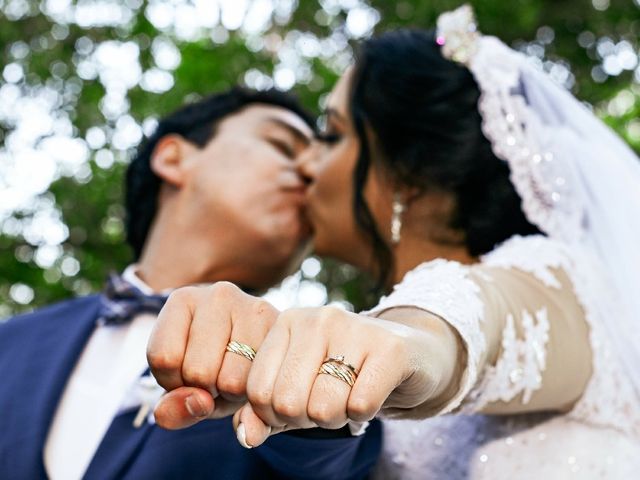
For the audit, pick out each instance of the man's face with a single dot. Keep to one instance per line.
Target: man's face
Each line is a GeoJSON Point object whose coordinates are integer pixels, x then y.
{"type": "Point", "coordinates": [243, 185]}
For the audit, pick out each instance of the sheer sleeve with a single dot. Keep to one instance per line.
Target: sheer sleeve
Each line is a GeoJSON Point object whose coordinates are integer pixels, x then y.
{"type": "Point", "coordinates": [541, 356]}
{"type": "Point", "coordinates": [539, 368]}
{"type": "Point", "coordinates": [524, 330]}
{"type": "Point", "coordinates": [445, 289]}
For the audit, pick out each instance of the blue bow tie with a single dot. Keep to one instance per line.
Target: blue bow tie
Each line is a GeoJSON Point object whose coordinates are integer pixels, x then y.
{"type": "Point", "coordinates": [121, 301]}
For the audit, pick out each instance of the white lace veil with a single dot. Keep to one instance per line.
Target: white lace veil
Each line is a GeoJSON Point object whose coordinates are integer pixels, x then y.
{"type": "Point", "coordinates": [579, 182]}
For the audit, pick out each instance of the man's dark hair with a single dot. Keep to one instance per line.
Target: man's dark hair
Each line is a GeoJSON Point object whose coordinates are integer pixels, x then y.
{"type": "Point", "coordinates": [423, 112]}
{"type": "Point", "coordinates": [196, 123]}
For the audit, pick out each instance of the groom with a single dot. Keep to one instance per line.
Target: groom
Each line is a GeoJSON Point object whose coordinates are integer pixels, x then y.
{"type": "Point", "coordinates": [213, 195]}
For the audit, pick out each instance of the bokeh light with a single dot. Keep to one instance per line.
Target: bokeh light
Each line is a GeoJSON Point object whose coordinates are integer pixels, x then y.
{"type": "Point", "coordinates": [82, 83]}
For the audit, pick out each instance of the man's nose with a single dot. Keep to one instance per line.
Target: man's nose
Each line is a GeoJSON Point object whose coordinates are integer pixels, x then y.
{"type": "Point", "coordinates": [307, 162]}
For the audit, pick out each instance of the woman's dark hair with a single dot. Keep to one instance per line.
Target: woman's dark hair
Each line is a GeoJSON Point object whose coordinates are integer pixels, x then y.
{"type": "Point", "coordinates": [197, 123]}
{"type": "Point", "coordinates": [423, 112]}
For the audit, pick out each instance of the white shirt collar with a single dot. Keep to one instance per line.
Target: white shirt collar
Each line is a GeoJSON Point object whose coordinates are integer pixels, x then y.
{"type": "Point", "coordinates": [130, 275]}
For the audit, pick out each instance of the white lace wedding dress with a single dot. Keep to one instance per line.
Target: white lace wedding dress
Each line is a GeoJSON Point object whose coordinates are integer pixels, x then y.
{"type": "Point", "coordinates": [529, 281]}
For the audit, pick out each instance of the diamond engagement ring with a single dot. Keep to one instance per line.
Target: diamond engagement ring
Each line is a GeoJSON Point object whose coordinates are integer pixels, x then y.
{"type": "Point", "coordinates": [338, 368]}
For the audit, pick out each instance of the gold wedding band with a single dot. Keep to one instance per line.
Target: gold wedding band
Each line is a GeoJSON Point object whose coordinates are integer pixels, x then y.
{"type": "Point", "coordinates": [340, 359]}
{"type": "Point", "coordinates": [338, 368]}
{"type": "Point", "coordinates": [241, 349]}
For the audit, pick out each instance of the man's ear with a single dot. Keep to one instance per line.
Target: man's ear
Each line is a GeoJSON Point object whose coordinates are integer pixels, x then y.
{"type": "Point", "coordinates": [168, 159]}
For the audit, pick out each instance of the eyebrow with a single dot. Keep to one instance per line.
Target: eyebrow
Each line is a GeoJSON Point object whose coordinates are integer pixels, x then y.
{"type": "Point", "coordinates": [301, 136]}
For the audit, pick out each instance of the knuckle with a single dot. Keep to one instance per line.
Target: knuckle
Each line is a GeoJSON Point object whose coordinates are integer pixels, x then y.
{"type": "Point", "coordinates": [287, 407]}
{"type": "Point", "coordinates": [361, 409]}
{"type": "Point", "coordinates": [163, 361]}
{"type": "Point", "coordinates": [329, 313]}
{"type": "Point", "coordinates": [316, 319]}
{"type": "Point", "coordinates": [263, 311]}
{"type": "Point", "coordinates": [291, 316]}
{"type": "Point", "coordinates": [260, 397]}
{"type": "Point", "coordinates": [328, 317]}
{"type": "Point", "coordinates": [223, 291]}
{"type": "Point", "coordinates": [232, 384]}
{"type": "Point", "coordinates": [261, 306]}
{"type": "Point", "coordinates": [321, 414]}
{"type": "Point", "coordinates": [198, 376]}
{"type": "Point", "coordinates": [182, 295]}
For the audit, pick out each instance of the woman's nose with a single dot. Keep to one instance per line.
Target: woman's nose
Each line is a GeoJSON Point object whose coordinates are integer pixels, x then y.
{"type": "Point", "coordinates": [307, 162]}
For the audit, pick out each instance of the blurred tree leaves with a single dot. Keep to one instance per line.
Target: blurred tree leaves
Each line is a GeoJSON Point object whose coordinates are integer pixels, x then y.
{"type": "Point", "coordinates": [50, 49]}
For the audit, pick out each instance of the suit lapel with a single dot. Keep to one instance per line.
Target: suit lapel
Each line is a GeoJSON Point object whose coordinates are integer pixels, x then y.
{"type": "Point", "coordinates": [45, 358]}
{"type": "Point", "coordinates": [118, 448]}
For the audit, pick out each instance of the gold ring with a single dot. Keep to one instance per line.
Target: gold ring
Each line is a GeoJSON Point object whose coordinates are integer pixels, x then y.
{"type": "Point", "coordinates": [338, 368]}
{"type": "Point", "coordinates": [241, 349]}
{"type": "Point", "coordinates": [340, 359]}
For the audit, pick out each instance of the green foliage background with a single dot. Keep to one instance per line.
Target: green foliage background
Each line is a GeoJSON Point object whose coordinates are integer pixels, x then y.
{"type": "Point", "coordinates": [47, 41]}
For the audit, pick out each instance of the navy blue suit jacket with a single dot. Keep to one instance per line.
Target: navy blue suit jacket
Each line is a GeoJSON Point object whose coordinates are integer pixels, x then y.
{"type": "Point", "coordinates": [37, 354]}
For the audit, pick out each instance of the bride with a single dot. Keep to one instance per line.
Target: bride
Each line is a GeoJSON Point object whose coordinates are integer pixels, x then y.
{"type": "Point", "coordinates": [504, 215]}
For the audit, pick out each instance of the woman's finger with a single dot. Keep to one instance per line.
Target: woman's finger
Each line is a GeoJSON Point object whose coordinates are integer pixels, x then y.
{"type": "Point", "coordinates": [298, 372]}
{"type": "Point", "coordinates": [251, 431]}
{"type": "Point", "coordinates": [382, 371]}
{"type": "Point", "coordinates": [364, 354]}
{"type": "Point", "coordinates": [329, 398]}
{"type": "Point", "coordinates": [264, 371]}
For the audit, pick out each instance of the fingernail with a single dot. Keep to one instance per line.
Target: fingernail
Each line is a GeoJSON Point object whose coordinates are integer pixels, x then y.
{"type": "Point", "coordinates": [195, 407]}
{"type": "Point", "coordinates": [242, 436]}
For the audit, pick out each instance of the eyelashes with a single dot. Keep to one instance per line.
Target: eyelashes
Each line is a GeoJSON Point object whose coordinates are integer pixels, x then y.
{"type": "Point", "coordinates": [284, 148]}
{"type": "Point", "coordinates": [329, 138]}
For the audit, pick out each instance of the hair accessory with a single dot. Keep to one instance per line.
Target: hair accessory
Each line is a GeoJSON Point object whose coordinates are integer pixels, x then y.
{"type": "Point", "coordinates": [457, 34]}
{"type": "Point", "coordinates": [578, 181]}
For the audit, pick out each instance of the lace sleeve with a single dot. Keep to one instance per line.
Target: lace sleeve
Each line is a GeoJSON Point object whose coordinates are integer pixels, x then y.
{"type": "Point", "coordinates": [506, 309]}
{"type": "Point", "coordinates": [444, 288]}
{"type": "Point", "coordinates": [530, 288]}
{"type": "Point", "coordinates": [608, 398]}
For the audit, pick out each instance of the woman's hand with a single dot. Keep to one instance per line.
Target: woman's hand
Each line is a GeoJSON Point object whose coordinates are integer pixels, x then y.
{"type": "Point", "coordinates": [187, 355]}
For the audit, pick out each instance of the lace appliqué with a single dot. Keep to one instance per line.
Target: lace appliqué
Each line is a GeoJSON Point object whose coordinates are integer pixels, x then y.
{"type": "Point", "coordinates": [447, 290]}
{"type": "Point", "coordinates": [535, 254]}
{"type": "Point", "coordinates": [519, 368]}
{"type": "Point", "coordinates": [444, 289]}
{"type": "Point", "coordinates": [609, 399]}
{"type": "Point", "coordinates": [516, 132]}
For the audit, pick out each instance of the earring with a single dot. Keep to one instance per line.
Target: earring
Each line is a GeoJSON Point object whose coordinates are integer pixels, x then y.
{"type": "Point", "coordinates": [398, 209]}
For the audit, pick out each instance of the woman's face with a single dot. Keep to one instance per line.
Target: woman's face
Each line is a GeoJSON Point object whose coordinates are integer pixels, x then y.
{"type": "Point", "coordinates": [329, 166]}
